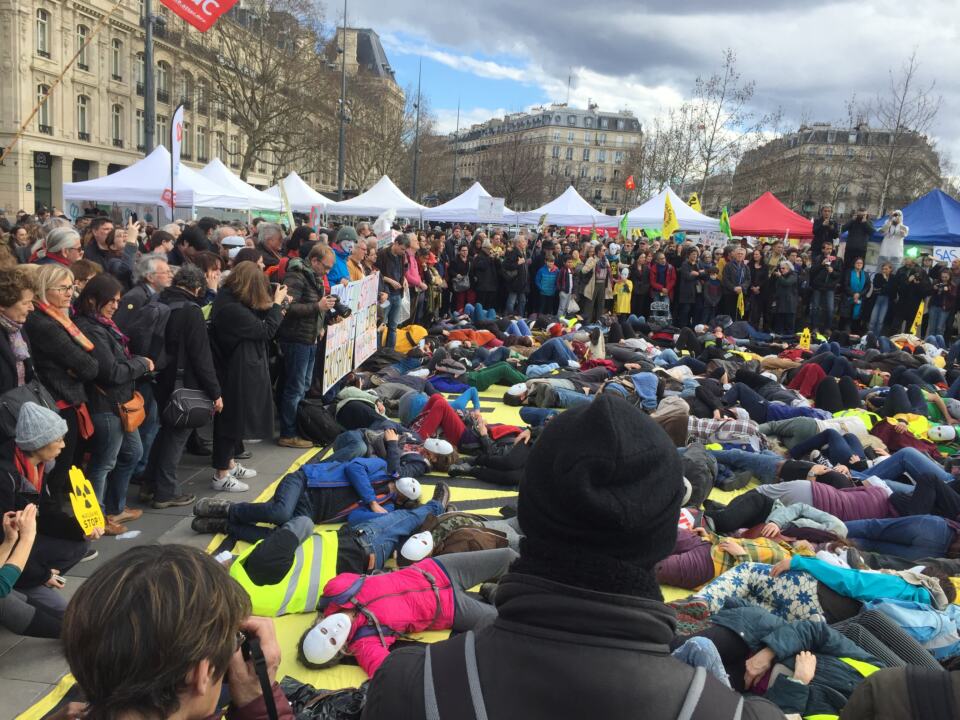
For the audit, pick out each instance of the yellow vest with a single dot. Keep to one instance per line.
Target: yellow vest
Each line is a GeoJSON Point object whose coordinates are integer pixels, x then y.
{"type": "Point", "coordinates": [864, 668]}
{"type": "Point", "coordinates": [314, 565]}
{"type": "Point", "coordinates": [869, 418]}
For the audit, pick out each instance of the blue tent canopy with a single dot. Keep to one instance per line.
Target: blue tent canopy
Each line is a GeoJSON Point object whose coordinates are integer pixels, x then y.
{"type": "Point", "coordinates": [933, 219]}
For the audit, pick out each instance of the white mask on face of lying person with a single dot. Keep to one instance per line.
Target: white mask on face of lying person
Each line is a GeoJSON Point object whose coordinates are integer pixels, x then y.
{"type": "Point", "coordinates": [325, 640]}
{"type": "Point", "coordinates": [417, 547]}
{"type": "Point", "coordinates": [409, 487]}
{"type": "Point", "coordinates": [942, 433]}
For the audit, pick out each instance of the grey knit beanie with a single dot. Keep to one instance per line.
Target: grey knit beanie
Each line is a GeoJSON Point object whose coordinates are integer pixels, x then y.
{"type": "Point", "coordinates": [37, 426]}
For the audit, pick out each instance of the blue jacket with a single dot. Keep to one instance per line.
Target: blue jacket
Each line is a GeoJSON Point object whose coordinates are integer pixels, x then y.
{"type": "Point", "coordinates": [859, 585]}
{"type": "Point", "coordinates": [938, 632]}
{"type": "Point", "coordinates": [339, 271]}
{"type": "Point", "coordinates": [547, 281]}
{"type": "Point", "coordinates": [645, 383]}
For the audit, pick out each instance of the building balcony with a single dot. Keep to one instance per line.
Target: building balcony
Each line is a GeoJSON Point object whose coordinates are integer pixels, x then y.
{"type": "Point", "coordinates": [46, 129]}
{"type": "Point", "coordinates": [203, 109]}
{"type": "Point", "coordinates": [43, 54]}
{"type": "Point", "coordinates": [163, 96]}
{"type": "Point", "coordinates": [141, 89]}
{"type": "Point", "coordinates": [83, 66]}
{"type": "Point", "coordinates": [84, 136]}
{"type": "Point", "coordinates": [118, 143]}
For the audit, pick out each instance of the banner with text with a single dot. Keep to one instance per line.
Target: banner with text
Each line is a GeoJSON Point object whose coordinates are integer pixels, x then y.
{"type": "Point", "coordinates": [353, 339]}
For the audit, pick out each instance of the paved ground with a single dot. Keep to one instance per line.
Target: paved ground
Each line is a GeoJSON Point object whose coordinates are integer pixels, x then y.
{"type": "Point", "coordinates": [30, 667]}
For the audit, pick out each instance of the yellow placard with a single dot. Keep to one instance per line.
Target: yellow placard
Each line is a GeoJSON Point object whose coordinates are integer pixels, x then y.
{"type": "Point", "coordinates": [915, 328]}
{"type": "Point", "coordinates": [805, 339]}
{"type": "Point", "coordinates": [740, 306]}
{"type": "Point", "coordinates": [84, 502]}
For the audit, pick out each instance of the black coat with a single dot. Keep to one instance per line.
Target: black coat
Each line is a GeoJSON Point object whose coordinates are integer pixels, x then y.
{"type": "Point", "coordinates": [484, 273]}
{"type": "Point", "coordinates": [8, 364]}
{"type": "Point", "coordinates": [641, 281]}
{"type": "Point", "coordinates": [822, 232]}
{"type": "Point", "coordinates": [786, 290]}
{"type": "Point", "coordinates": [132, 300]}
{"type": "Point", "coordinates": [241, 336]}
{"type": "Point", "coordinates": [186, 325]}
{"type": "Point", "coordinates": [559, 652]}
{"type": "Point", "coordinates": [821, 278]}
{"type": "Point", "coordinates": [515, 276]}
{"type": "Point", "coordinates": [116, 374]}
{"type": "Point", "coordinates": [61, 364]}
{"type": "Point", "coordinates": [859, 233]}
{"type": "Point", "coordinates": [686, 290]}
{"type": "Point", "coordinates": [303, 321]}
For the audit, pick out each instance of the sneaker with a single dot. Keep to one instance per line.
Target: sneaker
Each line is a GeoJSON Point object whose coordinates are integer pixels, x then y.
{"type": "Point", "coordinates": [212, 507]}
{"type": "Point", "coordinates": [92, 554]}
{"type": "Point", "coordinates": [209, 525]}
{"type": "Point", "coordinates": [573, 364]}
{"type": "Point", "coordinates": [441, 493]}
{"type": "Point", "coordinates": [113, 528]}
{"type": "Point", "coordinates": [126, 515]}
{"type": "Point", "coordinates": [178, 501]}
{"type": "Point", "coordinates": [245, 455]}
{"type": "Point", "coordinates": [244, 473]}
{"type": "Point", "coordinates": [228, 483]}
{"type": "Point", "coordinates": [294, 442]}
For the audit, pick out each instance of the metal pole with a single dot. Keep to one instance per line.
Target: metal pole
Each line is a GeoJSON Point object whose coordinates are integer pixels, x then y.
{"type": "Point", "coordinates": [149, 96]}
{"type": "Point", "coordinates": [416, 135]}
{"type": "Point", "coordinates": [456, 149]}
{"type": "Point", "coordinates": [342, 149]}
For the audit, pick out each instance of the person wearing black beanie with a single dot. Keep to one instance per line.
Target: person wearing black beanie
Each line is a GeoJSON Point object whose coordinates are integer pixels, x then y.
{"type": "Point", "coordinates": [581, 628]}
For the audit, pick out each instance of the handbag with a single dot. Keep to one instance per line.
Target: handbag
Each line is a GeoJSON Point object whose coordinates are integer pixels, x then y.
{"type": "Point", "coordinates": [461, 284]}
{"type": "Point", "coordinates": [573, 307]}
{"type": "Point", "coordinates": [132, 412]}
{"type": "Point", "coordinates": [12, 400]}
{"type": "Point", "coordinates": [187, 408]}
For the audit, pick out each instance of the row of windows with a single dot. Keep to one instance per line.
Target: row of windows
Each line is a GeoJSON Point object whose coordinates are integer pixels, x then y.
{"type": "Point", "coordinates": [617, 156]}
{"type": "Point", "coordinates": [588, 138]}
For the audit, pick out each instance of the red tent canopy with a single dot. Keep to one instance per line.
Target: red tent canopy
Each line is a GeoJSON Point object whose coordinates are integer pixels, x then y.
{"type": "Point", "coordinates": [767, 216]}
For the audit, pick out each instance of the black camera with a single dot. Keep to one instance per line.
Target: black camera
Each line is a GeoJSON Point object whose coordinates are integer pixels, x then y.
{"type": "Point", "coordinates": [339, 309]}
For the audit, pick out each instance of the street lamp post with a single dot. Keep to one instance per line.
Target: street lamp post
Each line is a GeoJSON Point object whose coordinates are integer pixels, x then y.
{"type": "Point", "coordinates": [342, 148]}
{"type": "Point", "coordinates": [149, 96]}
{"type": "Point", "coordinates": [416, 135]}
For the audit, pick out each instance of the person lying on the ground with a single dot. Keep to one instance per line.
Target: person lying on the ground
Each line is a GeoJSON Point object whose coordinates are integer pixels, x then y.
{"type": "Point", "coordinates": [364, 616]}
{"type": "Point", "coordinates": [461, 432]}
{"type": "Point", "coordinates": [285, 572]}
{"type": "Point", "coordinates": [905, 693]}
{"type": "Point", "coordinates": [727, 431]}
{"type": "Point", "coordinates": [911, 537]}
{"type": "Point", "coordinates": [417, 457]}
{"type": "Point", "coordinates": [769, 467]}
{"type": "Point", "coordinates": [799, 429]}
{"type": "Point", "coordinates": [563, 390]}
{"type": "Point", "coordinates": [500, 461]}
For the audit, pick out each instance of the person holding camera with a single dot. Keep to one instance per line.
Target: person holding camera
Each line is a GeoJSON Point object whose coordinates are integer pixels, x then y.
{"type": "Point", "coordinates": [825, 277]}
{"type": "Point", "coordinates": [824, 230]}
{"type": "Point", "coordinates": [913, 285]}
{"type": "Point", "coordinates": [894, 233]}
{"type": "Point", "coordinates": [302, 326]}
{"type": "Point", "coordinates": [859, 230]}
{"type": "Point", "coordinates": [153, 659]}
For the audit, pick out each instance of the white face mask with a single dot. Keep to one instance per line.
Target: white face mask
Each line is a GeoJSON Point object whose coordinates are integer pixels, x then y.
{"type": "Point", "coordinates": [327, 638]}
{"type": "Point", "coordinates": [417, 547]}
{"type": "Point", "coordinates": [409, 488]}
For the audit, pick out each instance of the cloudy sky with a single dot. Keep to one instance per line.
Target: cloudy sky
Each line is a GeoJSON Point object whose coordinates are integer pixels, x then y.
{"type": "Point", "coordinates": [496, 56]}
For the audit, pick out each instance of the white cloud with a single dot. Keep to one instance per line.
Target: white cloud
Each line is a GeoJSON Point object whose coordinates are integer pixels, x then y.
{"type": "Point", "coordinates": [447, 117]}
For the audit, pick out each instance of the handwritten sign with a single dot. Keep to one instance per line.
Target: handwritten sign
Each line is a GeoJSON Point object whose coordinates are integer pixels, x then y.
{"type": "Point", "coordinates": [946, 254]}
{"type": "Point", "coordinates": [353, 339]}
{"type": "Point", "coordinates": [84, 502]}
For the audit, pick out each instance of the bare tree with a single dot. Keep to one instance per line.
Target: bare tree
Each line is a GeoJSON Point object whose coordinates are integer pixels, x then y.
{"type": "Point", "coordinates": [514, 170]}
{"type": "Point", "coordinates": [378, 135]}
{"type": "Point", "coordinates": [270, 75]}
{"type": "Point", "coordinates": [907, 111]}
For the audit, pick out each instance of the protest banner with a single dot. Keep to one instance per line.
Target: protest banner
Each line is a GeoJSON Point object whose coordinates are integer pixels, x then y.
{"type": "Point", "coordinates": [365, 342]}
{"type": "Point", "coordinates": [202, 14]}
{"type": "Point", "coordinates": [340, 355]}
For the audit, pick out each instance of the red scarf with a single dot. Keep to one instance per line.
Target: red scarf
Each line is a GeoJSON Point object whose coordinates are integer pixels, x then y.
{"type": "Point", "coordinates": [66, 323]}
{"type": "Point", "coordinates": [30, 472]}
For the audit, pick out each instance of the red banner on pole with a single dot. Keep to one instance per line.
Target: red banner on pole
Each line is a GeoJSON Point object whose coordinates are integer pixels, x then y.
{"type": "Point", "coordinates": [202, 14]}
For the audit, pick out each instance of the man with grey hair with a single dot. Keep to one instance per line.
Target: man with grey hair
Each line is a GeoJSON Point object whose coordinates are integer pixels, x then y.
{"type": "Point", "coordinates": [270, 243]}
{"type": "Point", "coordinates": [173, 228]}
{"type": "Point", "coordinates": [61, 246]}
{"type": "Point", "coordinates": [152, 274]}
{"type": "Point", "coordinates": [222, 232]}
{"type": "Point", "coordinates": [363, 230]}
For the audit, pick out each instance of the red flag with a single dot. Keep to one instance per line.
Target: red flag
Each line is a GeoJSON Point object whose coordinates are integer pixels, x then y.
{"type": "Point", "coordinates": [630, 184]}
{"type": "Point", "coordinates": [202, 14]}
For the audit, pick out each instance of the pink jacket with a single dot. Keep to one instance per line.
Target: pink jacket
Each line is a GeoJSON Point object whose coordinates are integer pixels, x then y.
{"type": "Point", "coordinates": [402, 600]}
{"type": "Point", "coordinates": [413, 270]}
{"type": "Point", "coordinates": [856, 503]}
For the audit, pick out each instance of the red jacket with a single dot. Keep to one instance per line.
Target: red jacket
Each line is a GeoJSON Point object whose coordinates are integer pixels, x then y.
{"type": "Point", "coordinates": [671, 280]}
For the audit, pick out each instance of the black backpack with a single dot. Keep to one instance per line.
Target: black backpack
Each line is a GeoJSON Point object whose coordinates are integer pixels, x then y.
{"type": "Point", "coordinates": [147, 330]}
{"type": "Point", "coordinates": [316, 423]}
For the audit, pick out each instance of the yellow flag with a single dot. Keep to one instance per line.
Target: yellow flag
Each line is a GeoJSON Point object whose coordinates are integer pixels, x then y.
{"type": "Point", "coordinates": [670, 224]}
{"type": "Point", "coordinates": [805, 339]}
{"type": "Point", "coordinates": [915, 328]}
{"type": "Point", "coordinates": [694, 202]}
{"type": "Point", "coordinates": [84, 502]}
{"type": "Point", "coordinates": [740, 305]}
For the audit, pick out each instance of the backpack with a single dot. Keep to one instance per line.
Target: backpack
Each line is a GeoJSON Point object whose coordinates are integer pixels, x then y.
{"type": "Point", "coordinates": [316, 422]}
{"type": "Point", "coordinates": [147, 330]}
{"type": "Point", "coordinates": [14, 399]}
{"type": "Point", "coordinates": [462, 532]}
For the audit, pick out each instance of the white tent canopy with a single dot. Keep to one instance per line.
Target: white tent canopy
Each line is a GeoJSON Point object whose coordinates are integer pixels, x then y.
{"type": "Point", "coordinates": [145, 183]}
{"type": "Point", "coordinates": [568, 209]}
{"type": "Point", "coordinates": [384, 195]}
{"type": "Point", "coordinates": [218, 173]}
{"type": "Point", "coordinates": [301, 196]}
{"type": "Point", "coordinates": [650, 215]}
{"type": "Point", "coordinates": [464, 208]}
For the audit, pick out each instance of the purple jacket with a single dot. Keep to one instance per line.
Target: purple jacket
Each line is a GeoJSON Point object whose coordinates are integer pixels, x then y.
{"type": "Point", "coordinates": [690, 565]}
{"type": "Point", "coordinates": [856, 503]}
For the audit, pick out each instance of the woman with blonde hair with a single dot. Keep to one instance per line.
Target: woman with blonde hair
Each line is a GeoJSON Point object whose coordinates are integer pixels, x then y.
{"type": "Point", "coordinates": [243, 320]}
{"type": "Point", "coordinates": [63, 360]}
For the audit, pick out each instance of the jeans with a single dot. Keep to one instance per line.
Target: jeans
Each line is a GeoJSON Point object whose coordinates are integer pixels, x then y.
{"type": "Point", "coordinates": [478, 314]}
{"type": "Point", "coordinates": [518, 300]}
{"type": "Point", "coordinates": [880, 306]}
{"type": "Point", "coordinates": [937, 325]}
{"type": "Point", "coordinates": [571, 398]}
{"type": "Point", "coordinates": [762, 465]}
{"type": "Point", "coordinates": [491, 356]}
{"type": "Point", "coordinates": [348, 445]}
{"type": "Point", "coordinates": [701, 652]}
{"type": "Point", "coordinates": [535, 417]}
{"type": "Point", "coordinates": [748, 399]}
{"type": "Point", "coordinates": [519, 328]}
{"type": "Point", "coordinates": [114, 453]}
{"type": "Point", "coordinates": [380, 537]}
{"type": "Point", "coordinates": [553, 350]}
{"type": "Point", "coordinates": [290, 499]}
{"type": "Point", "coordinates": [564, 303]}
{"type": "Point", "coordinates": [150, 427]}
{"type": "Point", "coordinates": [906, 460]}
{"type": "Point", "coordinates": [395, 300]}
{"type": "Point", "coordinates": [667, 358]}
{"type": "Point", "coordinates": [821, 309]}
{"type": "Point", "coordinates": [298, 362]}
{"type": "Point", "coordinates": [839, 447]}
{"type": "Point", "coordinates": [911, 537]}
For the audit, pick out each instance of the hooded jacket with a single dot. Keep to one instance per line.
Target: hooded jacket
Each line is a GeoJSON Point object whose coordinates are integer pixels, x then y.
{"type": "Point", "coordinates": [559, 652]}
